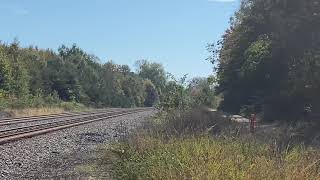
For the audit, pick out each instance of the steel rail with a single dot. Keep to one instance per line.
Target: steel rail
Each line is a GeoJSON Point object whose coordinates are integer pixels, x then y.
{"type": "Point", "coordinates": [34, 130]}
{"type": "Point", "coordinates": [49, 117]}
{"type": "Point", "coordinates": [48, 123]}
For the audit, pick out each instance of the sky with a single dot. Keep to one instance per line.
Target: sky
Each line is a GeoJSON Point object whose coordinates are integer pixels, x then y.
{"type": "Point", "coordinates": [172, 32]}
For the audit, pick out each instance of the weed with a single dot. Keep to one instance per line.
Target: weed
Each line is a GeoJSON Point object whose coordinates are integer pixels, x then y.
{"type": "Point", "coordinates": [204, 145]}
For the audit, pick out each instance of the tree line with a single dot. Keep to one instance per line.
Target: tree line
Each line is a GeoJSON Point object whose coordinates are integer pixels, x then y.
{"type": "Point", "coordinates": [268, 61]}
{"type": "Point", "coordinates": [71, 74]}
{"type": "Point", "coordinates": [33, 77]}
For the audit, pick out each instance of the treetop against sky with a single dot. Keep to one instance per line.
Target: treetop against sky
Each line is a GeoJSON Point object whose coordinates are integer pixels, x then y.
{"type": "Point", "coordinates": [174, 33]}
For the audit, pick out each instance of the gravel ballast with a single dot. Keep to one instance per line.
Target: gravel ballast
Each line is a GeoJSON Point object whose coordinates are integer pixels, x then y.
{"type": "Point", "coordinates": [57, 154]}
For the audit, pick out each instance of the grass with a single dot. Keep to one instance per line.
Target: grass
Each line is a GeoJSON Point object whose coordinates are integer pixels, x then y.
{"type": "Point", "coordinates": [62, 107]}
{"type": "Point", "coordinates": [211, 158]}
{"type": "Point", "coordinates": [201, 146]}
{"type": "Point", "coordinates": [35, 111]}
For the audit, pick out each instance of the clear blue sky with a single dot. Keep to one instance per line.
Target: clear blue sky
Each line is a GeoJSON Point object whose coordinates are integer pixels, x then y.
{"type": "Point", "coordinates": [172, 32]}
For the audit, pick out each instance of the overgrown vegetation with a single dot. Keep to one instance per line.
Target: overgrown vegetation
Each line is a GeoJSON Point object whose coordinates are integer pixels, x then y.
{"type": "Point", "coordinates": [210, 158]}
{"type": "Point", "coordinates": [268, 60]}
{"type": "Point", "coordinates": [205, 145]}
{"type": "Point", "coordinates": [35, 111]}
{"type": "Point", "coordinates": [268, 63]}
{"type": "Point", "coordinates": [32, 77]}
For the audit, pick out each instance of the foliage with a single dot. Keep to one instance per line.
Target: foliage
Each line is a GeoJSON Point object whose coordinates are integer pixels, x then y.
{"type": "Point", "coordinates": [268, 60]}
{"type": "Point", "coordinates": [202, 92]}
{"type": "Point", "coordinates": [152, 95]}
{"type": "Point", "coordinates": [183, 95]}
{"type": "Point", "coordinates": [209, 158]}
{"type": "Point", "coordinates": [154, 72]}
{"type": "Point", "coordinates": [175, 95]}
{"type": "Point", "coordinates": [201, 144]}
{"type": "Point", "coordinates": [5, 72]}
{"type": "Point", "coordinates": [30, 77]}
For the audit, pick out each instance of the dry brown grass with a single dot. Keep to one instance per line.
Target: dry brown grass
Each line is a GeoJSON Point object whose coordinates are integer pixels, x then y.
{"type": "Point", "coordinates": [198, 158]}
{"type": "Point", "coordinates": [203, 145]}
{"type": "Point", "coordinates": [34, 111]}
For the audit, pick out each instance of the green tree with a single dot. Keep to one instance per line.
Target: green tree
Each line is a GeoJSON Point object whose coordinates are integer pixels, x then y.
{"type": "Point", "coordinates": [154, 72]}
{"type": "Point", "coordinates": [151, 94]}
{"type": "Point", "coordinates": [202, 92]}
{"type": "Point", "coordinates": [269, 58]}
{"type": "Point", "coordinates": [20, 76]}
{"type": "Point", "coordinates": [5, 72]}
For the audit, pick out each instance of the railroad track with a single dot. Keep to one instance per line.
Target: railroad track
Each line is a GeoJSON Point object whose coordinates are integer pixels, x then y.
{"type": "Point", "coordinates": [10, 121]}
{"type": "Point", "coordinates": [59, 121]}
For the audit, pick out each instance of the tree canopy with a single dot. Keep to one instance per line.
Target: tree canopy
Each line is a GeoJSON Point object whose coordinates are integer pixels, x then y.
{"type": "Point", "coordinates": [74, 75]}
{"type": "Point", "coordinates": [269, 59]}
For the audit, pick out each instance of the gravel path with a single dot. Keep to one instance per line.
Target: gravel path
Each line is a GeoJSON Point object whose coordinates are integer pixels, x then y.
{"type": "Point", "coordinates": [57, 155]}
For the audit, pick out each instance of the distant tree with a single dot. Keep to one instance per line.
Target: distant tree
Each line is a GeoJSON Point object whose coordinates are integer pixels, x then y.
{"type": "Point", "coordinates": [154, 72]}
{"type": "Point", "coordinates": [20, 76]}
{"type": "Point", "coordinates": [151, 94]}
{"type": "Point", "coordinates": [202, 92]}
{"type": "Point", "coordinates": [5, 72]}
{"type": "Point", "coordinates": [34, 77]}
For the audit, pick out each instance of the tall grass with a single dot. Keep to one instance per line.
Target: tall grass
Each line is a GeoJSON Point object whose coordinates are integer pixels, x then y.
{"type": "Point", "coordinates": [211, 158]}
{"type": "Point", "coordinates": [45, 110]}
{"type": "Point", "coordinates": [38, 104]}
{"type": "Point", "coordinates": [202, 145]}
{"type": "Point", "coordinates": [35, 111]}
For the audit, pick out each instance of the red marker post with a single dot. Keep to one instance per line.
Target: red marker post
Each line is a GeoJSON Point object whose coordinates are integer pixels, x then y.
{"type": "Point", "coordinates": [253, 122]}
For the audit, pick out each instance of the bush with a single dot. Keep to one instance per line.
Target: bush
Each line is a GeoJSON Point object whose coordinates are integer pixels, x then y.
{"type": "Point", "coordinates": [201, 144]}
{"type": "Point", "coordinates": [36, 104]}
{"type": "Point", "coordinates": [211, 158]}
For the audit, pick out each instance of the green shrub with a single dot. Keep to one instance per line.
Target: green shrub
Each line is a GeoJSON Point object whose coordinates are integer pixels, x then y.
{"type": "Point", "coordinates": [203, 145]}
{"type": "Point", "coordinates": [210, 158]}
